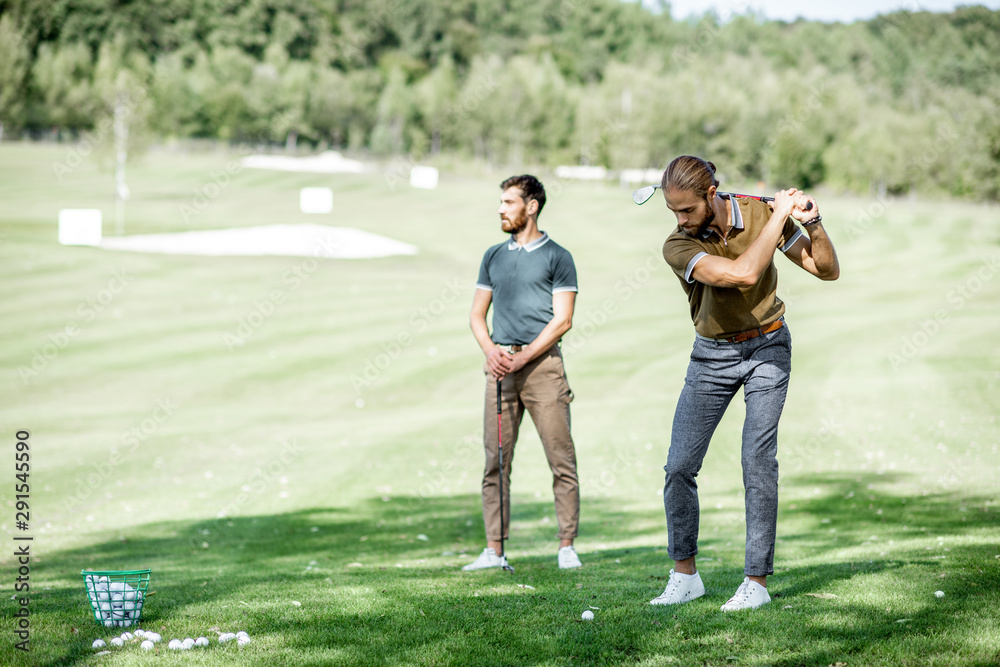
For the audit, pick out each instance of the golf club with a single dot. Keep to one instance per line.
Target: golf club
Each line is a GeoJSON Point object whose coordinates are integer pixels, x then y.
{"type": "Point", "coordinates": [643, 195]}
{"type": "Point", "coordinates": [503, 559]}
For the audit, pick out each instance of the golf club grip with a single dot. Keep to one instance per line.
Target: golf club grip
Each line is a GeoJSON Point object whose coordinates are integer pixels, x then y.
{"type": "Point", "coordinates": [809, 204]}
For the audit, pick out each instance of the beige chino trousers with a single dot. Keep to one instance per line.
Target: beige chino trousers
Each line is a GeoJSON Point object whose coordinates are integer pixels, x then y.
{"type": "Point", "coordinates": [540, 388]}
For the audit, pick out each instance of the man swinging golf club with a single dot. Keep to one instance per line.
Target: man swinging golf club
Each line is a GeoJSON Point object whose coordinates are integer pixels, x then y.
{"type": "Point", "coordinates": [722, 251]}
{"type": "Point", "coordinates": [531, 283]}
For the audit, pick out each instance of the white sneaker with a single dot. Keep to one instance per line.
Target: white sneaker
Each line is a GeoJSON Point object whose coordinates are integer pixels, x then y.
{"type": "Point", "coordinates": [568, 558]}
{"type": "Point", "coordinates": [486, 560]}
{"type": "Point", "coordinates": [749, 595]}
{"type": "Point", "coordinates": [681, 588]}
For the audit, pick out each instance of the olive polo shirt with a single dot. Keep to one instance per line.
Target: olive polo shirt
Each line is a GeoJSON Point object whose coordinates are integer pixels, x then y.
{"type": "Point", "coordinates": [722, 312]}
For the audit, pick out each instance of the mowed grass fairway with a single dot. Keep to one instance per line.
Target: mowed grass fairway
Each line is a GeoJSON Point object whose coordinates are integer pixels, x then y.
{"type": "Point", "coordinates": [341, 438]}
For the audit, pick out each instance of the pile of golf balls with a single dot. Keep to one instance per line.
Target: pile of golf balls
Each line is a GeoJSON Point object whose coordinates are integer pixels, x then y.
{"type": "Point", "coordinates": [147, 640]}
{"type": "Point", "coordinates": [242, 638]}
{"type": "Point", "coordinates": [116, 603]}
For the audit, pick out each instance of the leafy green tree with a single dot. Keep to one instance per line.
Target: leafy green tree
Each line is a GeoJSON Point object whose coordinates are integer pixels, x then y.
{"type": "Point", "coordinates": [180, 106]}
{"type": "Point", "coordinates": [328, 107]}
{"type": "Point", "coordinates": [606, 82]}
{"type": "Point", "coordinates": [222, 79]}
{"type": "Point", "coordinates": [14, 66]}
{"type": "Point", "coordinates": [436, 99]}
{"type": "Point", "coordinates": [278, 94]}
{"type": "Point", "coordinates": [291, 119]}
{"type": "Point", "coordinates": [482, 104]}
{"type": "Point", "coordinates": [62, 75]}
{"type": "Point", "coordinates": [395, 106]}
{"type": "Point", "coordinates": [121, 84]}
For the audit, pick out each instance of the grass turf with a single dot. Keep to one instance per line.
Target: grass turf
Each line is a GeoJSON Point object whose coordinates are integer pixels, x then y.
{"type": "Point", "coordinates": [340, 435]}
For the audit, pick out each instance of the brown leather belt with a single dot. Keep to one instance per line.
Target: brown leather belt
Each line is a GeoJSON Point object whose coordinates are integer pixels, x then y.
{"type": "Point", "coordinates": [753, 333]}
{"type": "Point", "coordinates": [511, 348]}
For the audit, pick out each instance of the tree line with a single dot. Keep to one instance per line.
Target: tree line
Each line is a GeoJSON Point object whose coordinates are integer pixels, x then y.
{"type": "Point", "coordinates": [906, 102]}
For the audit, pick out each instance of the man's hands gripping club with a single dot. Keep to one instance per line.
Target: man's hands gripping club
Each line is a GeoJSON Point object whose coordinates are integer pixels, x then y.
{"type": "Point", "coordinates": [798, 205]}
{"type": "Point", "coordinates": [499, 362]}
{"type": "Point", "coordinates": [746, 270]}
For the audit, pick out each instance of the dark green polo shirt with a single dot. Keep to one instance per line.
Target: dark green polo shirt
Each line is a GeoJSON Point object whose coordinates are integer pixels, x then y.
{"type": "Point", "coordinates": [523, 280]}
{"type": "Point", "coordinates": [721, 312]}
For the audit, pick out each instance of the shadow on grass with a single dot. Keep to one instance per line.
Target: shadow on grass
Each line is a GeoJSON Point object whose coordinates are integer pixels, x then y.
{"type": "Point", "coordinates": [381, 583]}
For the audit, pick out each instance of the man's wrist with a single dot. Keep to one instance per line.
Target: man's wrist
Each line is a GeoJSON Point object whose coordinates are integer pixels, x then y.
{"type": "Point", "coordinates": [815, 221]}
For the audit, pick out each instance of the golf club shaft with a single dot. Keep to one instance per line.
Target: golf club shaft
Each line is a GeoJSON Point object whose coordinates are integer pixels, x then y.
{"type": "Point", "coordinates": [500, 453]}
{"type": "Point", "coordinates": [809, 204]}
{"type": "Point", "coordinates": [642, 195]}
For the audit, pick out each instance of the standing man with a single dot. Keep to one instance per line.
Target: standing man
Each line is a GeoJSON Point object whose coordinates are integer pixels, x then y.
{"type": "Point", "coordinates": [722, 251]}
{"type": "Point", "coordinates": [531, 282]}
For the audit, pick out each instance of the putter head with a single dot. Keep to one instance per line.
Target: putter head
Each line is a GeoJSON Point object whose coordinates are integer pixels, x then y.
{"type": "Point", "coordinates": [642, 195]}
{"type": "Point", "coordinates": [507, 567]}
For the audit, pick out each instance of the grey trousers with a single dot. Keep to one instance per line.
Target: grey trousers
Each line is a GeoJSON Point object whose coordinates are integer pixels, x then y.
{"type": "Point", "coordinates": [716, 372]}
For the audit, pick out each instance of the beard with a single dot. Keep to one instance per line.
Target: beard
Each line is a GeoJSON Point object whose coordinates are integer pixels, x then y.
{"type": "Point", "coordinates": [513, 226]}
{"type": "Point", "coordinates": [705, 221]}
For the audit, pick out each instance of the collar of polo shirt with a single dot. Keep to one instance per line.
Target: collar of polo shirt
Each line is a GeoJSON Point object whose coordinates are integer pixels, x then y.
{"type": "Point", "coordinates": [528, 247]}
{"type": "Point", "coordinates": [736, 221]}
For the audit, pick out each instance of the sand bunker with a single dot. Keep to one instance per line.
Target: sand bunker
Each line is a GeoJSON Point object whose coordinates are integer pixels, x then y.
{"type": "Point", "coordinates": [305, 240]}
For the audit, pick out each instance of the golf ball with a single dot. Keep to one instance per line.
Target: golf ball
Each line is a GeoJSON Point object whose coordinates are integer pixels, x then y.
{"type": "Point", "coordinates": [242, 635]}
{"type": "Point", "coordinates": [99, 643]}
{"type": "Point", "coordinates": [243, 641]}
{"type": "Point", "coordinates": [201, 641]}
{"type": "Point", "coordinates": [587, 615]}
{"type": "Point", "coordinates": [939, 594]}
{"type": "Point", "coordinates": [127, 636]}
{"type": "Point", "coordinates": [146, 645]}
{"type": "Point", "coordinates": [153, 636]}
{"type": "Point", "coordinates": [175, 645]}
{"type": "Point", "coordinates": [117, 641]}
{"type": "Point", "coordinates": [225, 637]}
